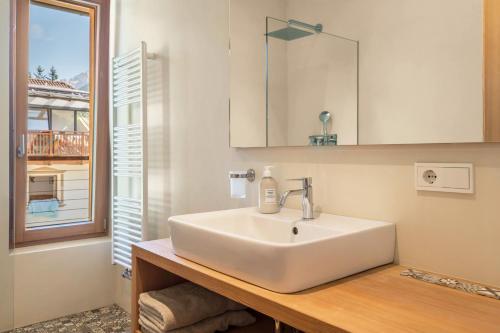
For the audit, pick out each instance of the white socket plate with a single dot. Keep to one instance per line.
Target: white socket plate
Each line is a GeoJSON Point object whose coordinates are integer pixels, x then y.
{"type": "Point", "coordinates": [445, 177]}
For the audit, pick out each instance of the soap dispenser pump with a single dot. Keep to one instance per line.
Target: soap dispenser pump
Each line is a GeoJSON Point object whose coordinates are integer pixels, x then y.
{"type": "Point", "coordinates": [268, 193]}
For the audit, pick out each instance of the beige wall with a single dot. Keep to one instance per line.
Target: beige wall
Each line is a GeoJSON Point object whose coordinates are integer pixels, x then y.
{"type": "Point", "coordinates": [448, 233]}
{"type": "Point", "coordinates": [6, 272]}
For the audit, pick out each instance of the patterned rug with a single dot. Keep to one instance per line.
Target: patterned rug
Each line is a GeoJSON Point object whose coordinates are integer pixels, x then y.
{"type": "Point", "coordinates": [110, 319]}
{"type": "Point", "coordinates": [468, 287]}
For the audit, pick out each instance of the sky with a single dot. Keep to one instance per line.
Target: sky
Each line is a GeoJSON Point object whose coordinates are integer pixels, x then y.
{"type": "Point", "coordinates": [58, 38]}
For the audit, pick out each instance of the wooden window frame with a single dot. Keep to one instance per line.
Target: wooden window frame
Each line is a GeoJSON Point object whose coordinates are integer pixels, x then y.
{"type": "Point", "coordinates": [491, 70]}
{"type": "Point", "coordinates": [98, 101]}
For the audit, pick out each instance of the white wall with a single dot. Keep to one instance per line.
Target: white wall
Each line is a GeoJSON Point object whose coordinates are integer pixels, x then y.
{"type": "Point", "coordinates": [6, 271]}
{"type": "Point", "coordinates": [447, 233]}
{"type": "Point", "coordinates": [60, 279]}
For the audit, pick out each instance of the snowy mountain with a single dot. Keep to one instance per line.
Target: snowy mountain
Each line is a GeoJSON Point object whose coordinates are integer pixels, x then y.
{"type": "Point", "coordinates": [79, 81]}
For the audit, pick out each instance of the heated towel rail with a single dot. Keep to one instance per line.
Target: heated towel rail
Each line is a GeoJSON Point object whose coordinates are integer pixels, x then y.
{"type": "Point", "coordinates": [129, 154]}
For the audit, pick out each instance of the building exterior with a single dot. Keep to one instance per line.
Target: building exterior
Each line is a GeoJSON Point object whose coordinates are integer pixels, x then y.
{"type": "Point", "coordinates": [58, 153]}
{"type": "Point", "coordinates": [58, 121]}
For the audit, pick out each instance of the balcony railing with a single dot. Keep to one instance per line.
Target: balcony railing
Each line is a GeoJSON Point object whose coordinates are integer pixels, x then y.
{"type": "Point", "coordinates": [58, 144]}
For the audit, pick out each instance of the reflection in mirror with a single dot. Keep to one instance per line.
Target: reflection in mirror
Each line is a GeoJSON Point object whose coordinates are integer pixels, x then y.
{"type": "Point", "coordinates": [284, 73]}
{"type": "Point", "coordinates": [312, 85]}
{"type": "Point", "coordinates": [247, 20]}
{"type": "Point", "coordinates": [427, 72]}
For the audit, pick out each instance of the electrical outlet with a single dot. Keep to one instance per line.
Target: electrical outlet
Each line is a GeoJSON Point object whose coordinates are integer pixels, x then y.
{"type": "Point", "coordinates": [429, 176]}
{"type": "Point", "coordinates": [444, 177]}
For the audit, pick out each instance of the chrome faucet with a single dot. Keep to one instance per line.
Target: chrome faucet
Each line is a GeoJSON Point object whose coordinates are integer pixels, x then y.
{"type": "Point", "coordinates": [307, 197]}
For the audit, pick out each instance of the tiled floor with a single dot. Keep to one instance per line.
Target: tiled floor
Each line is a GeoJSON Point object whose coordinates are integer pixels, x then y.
{"type": "Point", "coordinates": [111, 319]}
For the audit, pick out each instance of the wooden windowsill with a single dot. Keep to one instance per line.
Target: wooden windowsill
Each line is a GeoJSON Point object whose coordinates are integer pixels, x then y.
{"type": "Point", "coordinates": [378, 300]}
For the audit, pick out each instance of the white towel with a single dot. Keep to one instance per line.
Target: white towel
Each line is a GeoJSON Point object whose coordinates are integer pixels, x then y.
{"type": "Point", "coordinates": [183, 305]}
{"type": "Point", "coordinates": [210, 325]}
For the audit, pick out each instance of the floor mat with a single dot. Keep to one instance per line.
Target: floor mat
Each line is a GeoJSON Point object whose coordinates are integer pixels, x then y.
{"type": "Point", "coordinates": [110, 319]}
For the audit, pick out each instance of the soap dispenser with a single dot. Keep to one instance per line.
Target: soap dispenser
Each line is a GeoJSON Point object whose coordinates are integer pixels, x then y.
{"type": "Point", "coordinates": [268, 193]}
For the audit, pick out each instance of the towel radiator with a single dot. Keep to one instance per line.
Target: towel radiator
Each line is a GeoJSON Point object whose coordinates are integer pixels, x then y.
{"type": "Point", "coordinates": [129, 154]}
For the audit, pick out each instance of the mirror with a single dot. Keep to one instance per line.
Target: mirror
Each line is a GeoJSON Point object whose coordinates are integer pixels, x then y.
{"type": "Point", "coordinates": [336, 72]}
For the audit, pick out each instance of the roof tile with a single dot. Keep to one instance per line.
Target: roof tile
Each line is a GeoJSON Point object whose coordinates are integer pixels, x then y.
{"type": "Point", "coordinates": [49, 83]}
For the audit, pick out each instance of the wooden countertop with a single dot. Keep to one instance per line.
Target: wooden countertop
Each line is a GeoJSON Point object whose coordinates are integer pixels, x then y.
{"type": "Point", "coordinates": [379, 300]}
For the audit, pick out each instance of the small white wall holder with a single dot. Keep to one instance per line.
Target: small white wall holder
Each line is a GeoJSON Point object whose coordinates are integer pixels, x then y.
{"type": "Point", "coordinates": [445, 177]}
{"type": "Point", "coordinates": [249, 174]}
{"type": "Point", "coordinates": [238, 184]}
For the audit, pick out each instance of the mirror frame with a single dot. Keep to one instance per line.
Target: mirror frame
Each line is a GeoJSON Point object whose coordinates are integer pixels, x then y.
{"type": "Point", "coordinates": [491, 10]}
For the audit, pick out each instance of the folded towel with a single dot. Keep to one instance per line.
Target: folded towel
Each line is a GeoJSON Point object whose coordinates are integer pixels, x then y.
{"type": "Point", "coordinates": [183, 305]}
{"type": "Point", "coordinates": [151, 316]}
{"type": "Point", "coordinates": [210, 325]}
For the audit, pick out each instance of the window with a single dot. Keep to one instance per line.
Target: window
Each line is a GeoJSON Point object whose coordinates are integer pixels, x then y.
{"type": "Point", "coordinates": [59, 64]}
{"type": "Point", "coordinates": [82, 121]}
{"type": "Point", "coordinates": [63, 120]}
{"type": "Point", "coordinates": [38, 119]}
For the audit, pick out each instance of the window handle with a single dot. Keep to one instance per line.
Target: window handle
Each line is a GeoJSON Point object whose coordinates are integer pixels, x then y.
{"type": "Point", "coordinates": [21, 148]}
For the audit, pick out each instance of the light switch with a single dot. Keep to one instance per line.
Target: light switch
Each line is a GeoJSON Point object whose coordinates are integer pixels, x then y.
{"type": "Point", "coordinates": [444, 177]}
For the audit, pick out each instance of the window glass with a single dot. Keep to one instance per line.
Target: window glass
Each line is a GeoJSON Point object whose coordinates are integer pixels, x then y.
{"type": "Point", "coordinates": [38, 120]}
{"type": "Point", "coordinates": [59, 171]}
{"type": "Point", "coordinates": [82, 121]}
{"type": "Point", "coordinates": [63, 120]}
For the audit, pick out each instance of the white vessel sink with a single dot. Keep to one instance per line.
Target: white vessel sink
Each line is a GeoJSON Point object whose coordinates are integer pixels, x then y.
{"type": "Point", "coordinates": [262, 248]}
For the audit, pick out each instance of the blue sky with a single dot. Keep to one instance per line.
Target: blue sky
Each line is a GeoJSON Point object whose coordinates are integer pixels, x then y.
{"type": "Point", "coordinates": [58, 38]}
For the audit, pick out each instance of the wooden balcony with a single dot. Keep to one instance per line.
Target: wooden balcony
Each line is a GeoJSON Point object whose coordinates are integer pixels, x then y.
{"type": "Point", "coordinates": [57, 145]}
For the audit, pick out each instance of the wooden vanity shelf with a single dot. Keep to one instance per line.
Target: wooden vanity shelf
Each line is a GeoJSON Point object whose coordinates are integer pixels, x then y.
{"type": "Point", "coordinates": [378, 300]}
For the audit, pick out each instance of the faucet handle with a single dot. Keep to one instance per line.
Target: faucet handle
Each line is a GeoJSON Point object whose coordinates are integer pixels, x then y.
{"type": "Point", "coordinates": [306, 181]}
